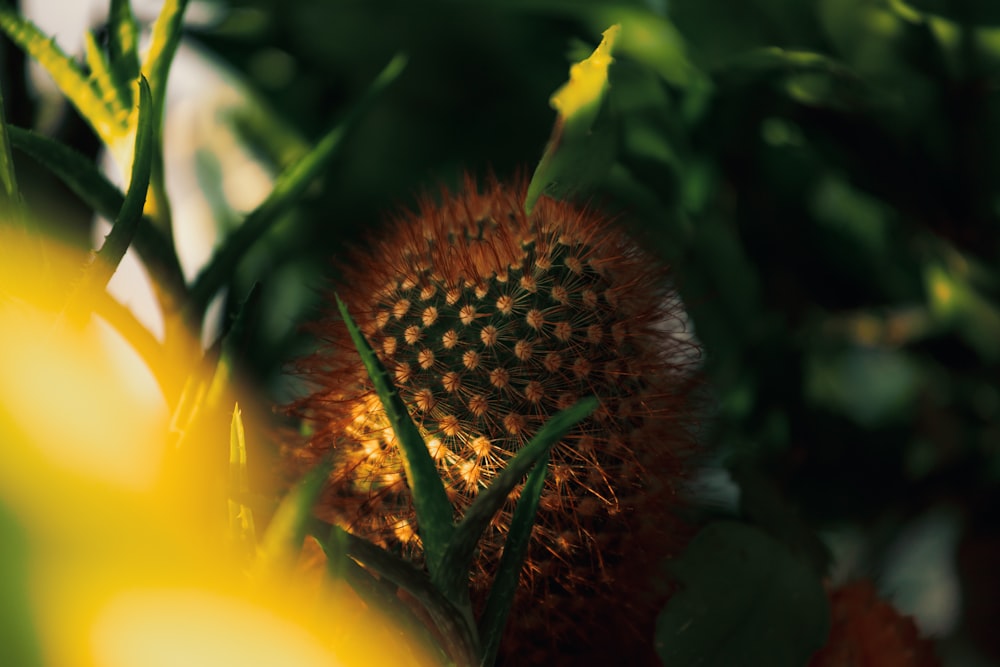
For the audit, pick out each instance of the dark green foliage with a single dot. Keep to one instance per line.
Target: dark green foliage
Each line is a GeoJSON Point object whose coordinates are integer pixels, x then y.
{"type": "Point", "coordinates": [744, 600]}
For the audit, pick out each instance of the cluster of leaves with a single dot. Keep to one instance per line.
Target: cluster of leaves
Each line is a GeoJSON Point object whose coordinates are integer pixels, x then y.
{"type": "Point", "coordinates": [822, 177]}
{"type": "Point", "coordinates": [105, 97]}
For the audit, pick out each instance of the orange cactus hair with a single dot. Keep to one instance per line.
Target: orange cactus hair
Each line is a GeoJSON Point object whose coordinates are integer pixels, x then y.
{"type": "Point", "coordinates": [490, 320]}
{"type": "Point", "coordinates": [869, 632]}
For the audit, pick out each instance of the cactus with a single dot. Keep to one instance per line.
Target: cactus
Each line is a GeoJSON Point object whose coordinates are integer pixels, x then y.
{"type": "Point", "coordinates": [491, 320]}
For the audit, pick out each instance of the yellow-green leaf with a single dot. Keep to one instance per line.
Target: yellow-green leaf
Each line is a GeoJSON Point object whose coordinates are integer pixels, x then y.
{"type": "Point", "coordinates": [577, 101]}
{"type": "Point", "coordinates": [68, 75]}
{"type": "Point", "coordinates": [577, 154]}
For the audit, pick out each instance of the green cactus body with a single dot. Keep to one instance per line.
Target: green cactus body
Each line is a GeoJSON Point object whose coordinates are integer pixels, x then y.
{"type": "Point", "coordinates": [490, 321]}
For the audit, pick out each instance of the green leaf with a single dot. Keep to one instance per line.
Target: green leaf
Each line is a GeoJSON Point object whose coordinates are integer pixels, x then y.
{"type": "Point", "coordinates": [103, 82]}
{"type": "Point", "coordinates": [743, 599]}
{"type": "Point", "coordinates": [82, 177]}
{"type": "Point", "coordinates": [972, 12]}
{"type": "Point", "coordinates": [579, 151]}
{"type": "Point", "coordinates": [241, 525]}
{"type": "Point", "coordinates": [283, 538]}
{"type": "Point", "coordinates": [494, 616]}
{"type": "Point", "coordinates": [162, 47]}
{"type": "Point", "coordinates": [64, 71]}
{"type": "Point", "coordinates": [454, 624]}
{"type": "Point", "coordinates": [10, 196]}
{"type": "Point", "coordinates": [288, 188]}
{"type": "Point", "coordinates": [123, 47]}
{"type": "Point", "coordinates": [434, 511]}
{"type": "Point", "coordinates": [106, 261]}
{"type": "Point", "coordinates": [458, 557]}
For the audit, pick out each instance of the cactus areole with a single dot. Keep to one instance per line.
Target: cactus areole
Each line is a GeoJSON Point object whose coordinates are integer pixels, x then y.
{"type": "Point", "coordinates": [490, 320]}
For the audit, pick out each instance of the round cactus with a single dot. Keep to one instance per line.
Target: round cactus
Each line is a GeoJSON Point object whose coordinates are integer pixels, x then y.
{"type": "Point", "coordinates": [491, 320]}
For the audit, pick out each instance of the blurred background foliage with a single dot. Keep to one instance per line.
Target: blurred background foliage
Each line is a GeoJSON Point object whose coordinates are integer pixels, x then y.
{"type": "Point", "coordinates": [822, 175]}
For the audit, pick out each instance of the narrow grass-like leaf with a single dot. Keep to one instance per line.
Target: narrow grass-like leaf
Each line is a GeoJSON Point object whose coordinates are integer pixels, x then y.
{"type": "Point", "coordinates": [64, 70]}
{"type": "Point", "coordinates": [81, 176]}
{"type": "Point", "coordinates": [282, 541]}
{"type": "Point", "coordinates": [434, 510]}
{"type": "Point", "coordinates": [455, 625]}
{"type": "Point", "coordinates": [458, 556]}
{"type": "Point", "coordinates": [105, 262]}
{"type": "Point", "coordinates": [103, 82]}
{"type": "Point", "coordinates": [241, 526]}
{"type": "Point", "coordinates": [10, 196]}
{"type": "Point", "coordinates": [123, 47]}
{"type": "Point", "coordinates": [494, 616]}
{"type": "Point", "coordinates": [162, 47]}
{"type": "Point", "coordinates": [288, 187]}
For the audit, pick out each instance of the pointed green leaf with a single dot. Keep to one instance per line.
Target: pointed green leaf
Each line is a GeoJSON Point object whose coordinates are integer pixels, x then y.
{"type": "Point", "coordinates": [107, 259]}
{"type": "Point", "coordinates": [241, 525]}
{"type": "Point", "coordinates": [103, 83]}
{"type": "Point", "coordinates": [743, 599]}
{"type": "Point", "coordinates": [82, 177]}
{"type": "Point", "coordinates": [64, 70]}
{"type": "Point", "coordinates": [123, 47]}
{"type": "Point", "coordinates": [162, 47]}
{"type": "Point", "coordinates": [433, 509]}
{"type": "Point", "coordinates": [494, 617]}
{"type": "Point", "coordinates": [10, 196]}
{"type": "Point", "coordinates": [288, 188]}
{"type": "Point", "coordinates": [458, 557]}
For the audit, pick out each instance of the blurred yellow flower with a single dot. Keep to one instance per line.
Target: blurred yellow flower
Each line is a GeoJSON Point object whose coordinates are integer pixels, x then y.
{"type": "Point", "coordinates": [111, 568]}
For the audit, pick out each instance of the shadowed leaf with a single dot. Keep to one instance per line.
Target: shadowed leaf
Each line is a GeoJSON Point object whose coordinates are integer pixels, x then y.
{"type": "Point", "coordinates": [288, 188]}
{"type": "Point", "coordinates": [743, 599]}
{"type": "Point", "coordinates": [433, 509]}
{"type": "Point", "coordinates": [458, 557]}
{"type": "Point", "coordinates": [494, 616]}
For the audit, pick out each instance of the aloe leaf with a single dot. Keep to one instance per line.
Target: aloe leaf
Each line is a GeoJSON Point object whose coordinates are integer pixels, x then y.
{"type": "Point", "coordinates": [64, 70]}
{"type": "Point", "coordinates": [458, 556]}
{"type": "Point", "coordinates": [434, 510]}
{"type": "Point", "coordinates": [102, 81]}
{"type": "Point", "coordinates": [8, 177]}
{"type": "Point", "coordinates": [282, 541]}
{"type": "Point", "coordinates": [81, 176]}
{"type": "Point", "coordinates": [241, 523]}
{"type": "Point", "coordinates": [494, 616]}
{"type": "Point", "coordinates": [10, 196]}
{"type": "Point", "coordinates": [162, 47]}
{"type": "Point", "coordinates": [123, 47]}
{"type": "Point", "coordinates": [455, 625]}
{"type": "Point", "coordinates": [288, 188]}
{"type": "Point", "coordinates": [107, 259]}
